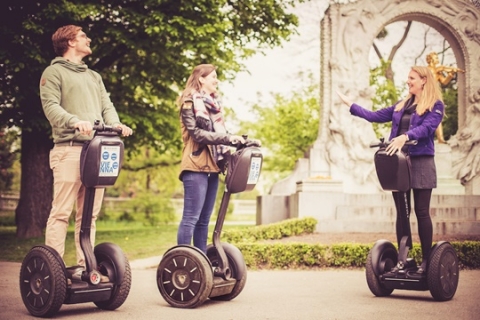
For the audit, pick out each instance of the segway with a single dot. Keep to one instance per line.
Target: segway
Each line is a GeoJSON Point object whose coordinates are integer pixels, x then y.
{"type": "Point", "coordinates": [186, 276]}
{"type": "Point", "coordinates": [387, 270]}
{"type": "Point", "coordinates": [45, 282]}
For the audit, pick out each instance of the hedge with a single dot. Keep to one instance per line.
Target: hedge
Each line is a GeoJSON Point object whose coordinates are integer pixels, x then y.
{"type": "Point", "coordinates": [259, 254]}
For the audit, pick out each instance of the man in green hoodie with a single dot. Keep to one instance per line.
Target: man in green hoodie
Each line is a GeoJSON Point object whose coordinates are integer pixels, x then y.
{"type": "Point", "coordinates": [73, 97]}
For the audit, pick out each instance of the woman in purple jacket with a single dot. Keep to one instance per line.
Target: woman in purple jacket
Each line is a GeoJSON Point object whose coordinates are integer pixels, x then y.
{"type": "Point", "coordinates": [414, 118]}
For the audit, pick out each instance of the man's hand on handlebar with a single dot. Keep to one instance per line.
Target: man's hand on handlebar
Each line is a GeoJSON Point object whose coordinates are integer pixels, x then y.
{"type": "Point", "coordinates": [84, 127]}
{"type": "Point", "coordinates": [126, 131]}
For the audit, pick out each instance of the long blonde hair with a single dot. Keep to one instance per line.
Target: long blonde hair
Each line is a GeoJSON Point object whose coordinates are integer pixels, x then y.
{"type": "Point", "coordinates": [193, 83]}
{"type": "Point", "coordinates": [430, 94]}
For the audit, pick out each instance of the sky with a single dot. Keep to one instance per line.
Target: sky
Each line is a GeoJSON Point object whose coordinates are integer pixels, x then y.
{"type": "Point", "coordinates": [274, 72]}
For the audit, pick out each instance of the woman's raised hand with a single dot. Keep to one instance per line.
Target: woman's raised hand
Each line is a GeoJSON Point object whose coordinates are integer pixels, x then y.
{"type": "Point", "coordinates": [344, 98]}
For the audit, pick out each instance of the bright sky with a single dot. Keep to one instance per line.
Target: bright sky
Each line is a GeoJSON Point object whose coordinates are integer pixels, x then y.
{"type": "Point", "coordinates": [275, 71]}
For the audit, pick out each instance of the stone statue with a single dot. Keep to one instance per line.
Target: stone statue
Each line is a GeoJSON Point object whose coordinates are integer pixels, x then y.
{"type": "Point", "coordinates": [444, 75]}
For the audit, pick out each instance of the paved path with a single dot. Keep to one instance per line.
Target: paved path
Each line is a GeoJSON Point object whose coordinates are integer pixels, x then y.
{"type": "Point", "coordinates": [272, 295]}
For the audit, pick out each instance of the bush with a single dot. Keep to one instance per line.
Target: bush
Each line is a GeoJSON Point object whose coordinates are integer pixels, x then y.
{"type": "Point", "coordinates": [278, 230]}
{"type": "Point", "coordinates": [261, 255]}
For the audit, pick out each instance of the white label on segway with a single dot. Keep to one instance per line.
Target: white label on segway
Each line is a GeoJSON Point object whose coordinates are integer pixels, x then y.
{"type": "Point", "coordinates": [109, 161]}
{"type": "Point", "coordinates": [255, 164]}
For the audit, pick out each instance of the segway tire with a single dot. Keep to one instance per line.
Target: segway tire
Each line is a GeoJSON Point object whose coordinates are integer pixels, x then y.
{"type": "Point", "coordinates": [43, 283]}
{"type": "Point", "coordinates": [113, 263]}
{"type": "Point", "coordinates": [443, 272]}
{"type": "Point", "coordinates": [378, 264]}
{"type": "Point", "coordinates": [237, 266]}
{"type": "Point", "coordinates": [184, 277]}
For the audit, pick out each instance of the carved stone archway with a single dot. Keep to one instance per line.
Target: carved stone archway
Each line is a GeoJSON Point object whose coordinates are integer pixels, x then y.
{"type": "Point", "coordinates": [341, 151]}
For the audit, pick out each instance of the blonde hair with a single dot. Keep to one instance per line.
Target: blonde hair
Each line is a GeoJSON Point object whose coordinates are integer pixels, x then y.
{"type": "Point", "coordinates": [193, 83]}
{"type": "Point", "coordinates": [430, 93]}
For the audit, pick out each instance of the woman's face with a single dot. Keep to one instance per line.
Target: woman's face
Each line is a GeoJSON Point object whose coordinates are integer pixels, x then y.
{"type": "Point", "coordinates": [210, 82]}
{"type": "Point", "coordinates": [415, 83]}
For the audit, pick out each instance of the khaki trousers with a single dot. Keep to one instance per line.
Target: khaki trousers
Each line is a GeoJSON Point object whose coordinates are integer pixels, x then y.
{"type": "Point", "coordinates": [67, 191]}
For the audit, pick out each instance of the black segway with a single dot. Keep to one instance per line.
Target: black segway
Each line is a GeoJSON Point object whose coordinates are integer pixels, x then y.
{"type": "Point", "coordinates": [45, 282]}
{"type": "Point", "coordinates": [186, 277]}
{"type": "Point", "coordinates": [386, 269]}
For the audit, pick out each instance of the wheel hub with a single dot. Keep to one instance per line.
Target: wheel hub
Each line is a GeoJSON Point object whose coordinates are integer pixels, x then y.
{"type": "Point", "coordinates": [181, 279]}
{"type": "Point", "coordinates": [36, 284]}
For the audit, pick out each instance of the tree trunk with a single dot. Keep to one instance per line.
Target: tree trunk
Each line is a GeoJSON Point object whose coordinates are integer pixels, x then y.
{"type": "Point", "coordinates": [36, 189]}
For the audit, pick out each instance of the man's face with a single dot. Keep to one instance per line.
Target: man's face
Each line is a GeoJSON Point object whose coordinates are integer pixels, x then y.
{"type": "Point", "coordinates": [81, 44]}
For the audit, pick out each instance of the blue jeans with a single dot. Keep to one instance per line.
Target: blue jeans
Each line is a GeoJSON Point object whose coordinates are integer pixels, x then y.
{"type": "Point", "coordinates": [200, 192]}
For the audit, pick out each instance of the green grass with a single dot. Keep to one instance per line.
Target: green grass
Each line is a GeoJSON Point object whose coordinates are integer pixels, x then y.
{"type": "Point", "coordinates": [136, 240]}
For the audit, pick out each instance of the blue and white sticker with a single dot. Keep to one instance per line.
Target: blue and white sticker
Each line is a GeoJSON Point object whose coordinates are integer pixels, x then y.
{"type": "Point", "coordinates": [254, 174]}
{"type": "Point", "coordinates": [109, 162]}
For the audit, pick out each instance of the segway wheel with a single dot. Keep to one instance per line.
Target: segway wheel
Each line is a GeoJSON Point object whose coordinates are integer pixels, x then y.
{"type": "Point", "coordinates": [443, 272]}
{"type": "Point", "coordinates": [381, 259]}
{"type": "Point", "coordinates": [43, 284]}
{"type": "Point", "coordinates": [237, 266]}
{"type": "Point", "coordinates": [184, 277]}
{"type": "Point", "coordinates": [113, 263]}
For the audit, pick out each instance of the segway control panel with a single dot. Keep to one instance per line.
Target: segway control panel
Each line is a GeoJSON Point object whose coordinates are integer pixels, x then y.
{"type": "Point", "coordinates": [393, 171]}
{"type": "Point", "coordinates": [102, 157]}
{"type": "Point", "coordinates": [244, 169]}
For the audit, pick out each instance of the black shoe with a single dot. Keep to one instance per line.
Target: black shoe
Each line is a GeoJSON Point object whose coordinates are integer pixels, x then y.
{"type": "Point", "coordinates": [422, 268]}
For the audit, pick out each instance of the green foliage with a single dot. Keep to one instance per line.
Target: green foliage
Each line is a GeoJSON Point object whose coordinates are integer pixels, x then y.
{"type": "Point", "coordinates": [468, 252]}
{"type": "Point", "coordinates": [301, 255]}
{"type": "Point", "coordinates": [450, 121]}
{"type": "Point", "coordinates": [8, 155]}
{"type": "Point", "coordinates": [288, 127]}
{"type": "Point", "coordinates": [278, 230]}
{"type": "Point", "coordinates": [386, 94]}
{"type": "Point", "coordinates": [143, 49]}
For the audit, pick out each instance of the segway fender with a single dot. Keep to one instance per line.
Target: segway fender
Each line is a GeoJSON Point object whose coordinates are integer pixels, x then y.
{"type": "Point", "coordinates": [189, 247]}
{"type": "Point", "coordinates": [377, 251]}
{"type": "Point", "coordinates": [234, 254]}
{"type": "Point", "coordinates": [56, 255]}
{"type": "Point", "coordinates": [115, 255]}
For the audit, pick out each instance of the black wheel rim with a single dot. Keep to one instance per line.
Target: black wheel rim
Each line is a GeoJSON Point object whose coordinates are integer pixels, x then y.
{"type": "Point", "coordinates": [37, 283]}
{"type": "Point", "coordinates": [449, 272]}
{"type": "Point", "coordinates": [182, 278]}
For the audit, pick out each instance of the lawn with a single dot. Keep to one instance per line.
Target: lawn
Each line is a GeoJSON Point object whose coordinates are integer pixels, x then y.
{"type": "Point", "coordinates": [136, 240]}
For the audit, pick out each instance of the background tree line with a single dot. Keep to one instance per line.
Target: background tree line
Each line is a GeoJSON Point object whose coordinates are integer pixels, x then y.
{"type": "Point", "coordinates": [144, 51]}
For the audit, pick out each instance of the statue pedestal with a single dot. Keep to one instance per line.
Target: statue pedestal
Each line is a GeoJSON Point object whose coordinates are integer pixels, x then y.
{"type": "Point", "coordinates": [319, 184]}
{"type": "Point", "coordinates": [446, 182]}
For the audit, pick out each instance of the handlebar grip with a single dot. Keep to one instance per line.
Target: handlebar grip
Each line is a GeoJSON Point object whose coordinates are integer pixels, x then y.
{"type": "Point", "coordinates": [102, 127]}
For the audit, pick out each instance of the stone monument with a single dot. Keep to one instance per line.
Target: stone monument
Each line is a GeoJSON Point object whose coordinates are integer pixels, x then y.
{"type": "Point", "coordinates": [337, 177]}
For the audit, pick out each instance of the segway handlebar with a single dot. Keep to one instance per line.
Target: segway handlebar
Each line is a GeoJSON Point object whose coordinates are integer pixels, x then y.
{"type": "Point", "coordinates": [384, 144]}
{"type": "Point", "coordinates": [248, 143]}
{"type": "Point", "coordinates": [104, 128]}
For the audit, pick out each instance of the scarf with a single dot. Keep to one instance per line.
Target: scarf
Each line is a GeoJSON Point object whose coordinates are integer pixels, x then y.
{"type": "Point", "coordinates": [209, 116]}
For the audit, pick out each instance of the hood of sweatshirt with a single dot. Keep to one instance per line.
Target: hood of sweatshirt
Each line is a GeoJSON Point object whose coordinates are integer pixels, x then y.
{"type": "Point", "coordinates": [77, 67]}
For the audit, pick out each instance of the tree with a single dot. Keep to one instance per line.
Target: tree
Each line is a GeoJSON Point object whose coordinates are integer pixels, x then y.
{"type": "Point", "coordinates": [288, 127]}
{"type": "Point", "coordinates": [144, 50]}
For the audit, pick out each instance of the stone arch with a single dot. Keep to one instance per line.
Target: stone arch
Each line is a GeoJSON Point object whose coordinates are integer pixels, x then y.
{"type": "Point", "coordinates": [347, 33]}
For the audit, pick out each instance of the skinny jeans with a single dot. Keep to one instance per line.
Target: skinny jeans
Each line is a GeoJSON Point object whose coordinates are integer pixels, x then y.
{"type": "Point", "coordinates": [200, 192]}
{"type": "Point", "coordinates": [67, 191]}
{"type": "Point", "coordinates": [421, 198]}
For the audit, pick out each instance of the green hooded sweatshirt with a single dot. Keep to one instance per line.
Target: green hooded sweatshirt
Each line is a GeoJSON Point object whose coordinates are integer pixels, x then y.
{"type": "Point", "coordinates": [70, 93]}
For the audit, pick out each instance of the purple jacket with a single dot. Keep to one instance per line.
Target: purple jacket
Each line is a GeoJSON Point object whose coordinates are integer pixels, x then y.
{"type": "Point", "coordinates": [422, 128]}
